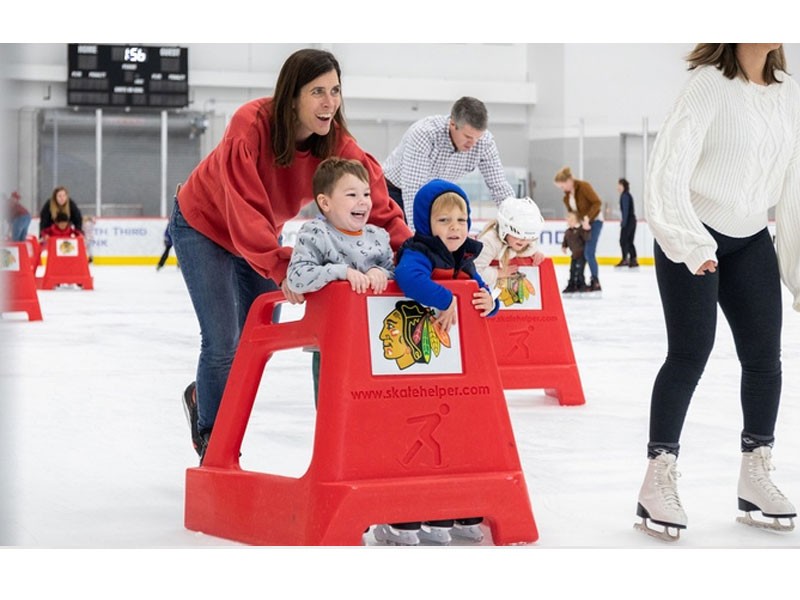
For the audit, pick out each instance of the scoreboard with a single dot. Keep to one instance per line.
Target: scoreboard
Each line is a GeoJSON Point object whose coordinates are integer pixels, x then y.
{"type": "Point", "coordinates": [127, 76]}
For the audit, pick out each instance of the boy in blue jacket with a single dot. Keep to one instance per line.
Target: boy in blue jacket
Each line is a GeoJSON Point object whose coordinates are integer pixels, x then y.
{"type": "Point", "coordinates": [440, 249]}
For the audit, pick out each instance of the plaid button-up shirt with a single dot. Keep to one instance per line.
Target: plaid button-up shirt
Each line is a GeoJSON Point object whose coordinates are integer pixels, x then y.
{"type": "Point", "coordinates": [426, 152]}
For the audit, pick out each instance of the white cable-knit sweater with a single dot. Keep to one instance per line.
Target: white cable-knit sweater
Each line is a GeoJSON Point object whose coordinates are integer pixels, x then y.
{"type": "Point", "coordinates": [728, 151]}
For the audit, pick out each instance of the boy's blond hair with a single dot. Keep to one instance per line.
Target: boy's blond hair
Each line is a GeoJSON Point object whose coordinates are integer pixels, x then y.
{"type": "Point", "coordinates": [331, 170]}
{"type": "Point", "coordinates": [447, 201]}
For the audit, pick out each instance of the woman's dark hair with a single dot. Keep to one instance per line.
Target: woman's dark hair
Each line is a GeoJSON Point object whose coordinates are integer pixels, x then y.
{"type": "Point", "coordinates": [723, 56]}
{"type": "Point", "coordinates": [300, 68]}
{"type": "Point", "coordinates": [625, 185]}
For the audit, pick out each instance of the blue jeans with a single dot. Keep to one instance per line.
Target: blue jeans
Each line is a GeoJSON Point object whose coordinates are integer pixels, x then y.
{"type": "Point", "coordinates": [222, 288]}
{"type": "Point", "coordinates": [591, 247]}
{"type": "Point", "coordinates": [19, 228]}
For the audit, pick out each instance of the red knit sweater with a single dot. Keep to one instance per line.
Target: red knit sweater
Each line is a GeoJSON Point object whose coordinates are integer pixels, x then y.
{"type": "Point", "coordinates": [240, 199]}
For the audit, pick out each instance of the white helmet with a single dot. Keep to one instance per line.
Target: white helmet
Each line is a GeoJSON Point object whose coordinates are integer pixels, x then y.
{"type": "Point", "coordinates": [519, 217]}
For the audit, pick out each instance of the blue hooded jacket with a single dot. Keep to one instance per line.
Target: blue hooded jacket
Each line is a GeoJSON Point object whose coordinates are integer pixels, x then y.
{"type": "Point", "coordinates": [421, 255]}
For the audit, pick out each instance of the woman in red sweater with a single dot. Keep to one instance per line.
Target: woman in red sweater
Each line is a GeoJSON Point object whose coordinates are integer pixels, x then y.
{"type": "Point", "coordinates": [229, 214]}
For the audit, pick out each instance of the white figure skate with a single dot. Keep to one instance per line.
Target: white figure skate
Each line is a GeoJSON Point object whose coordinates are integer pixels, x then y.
{"type": "Point", "coordinates": [757, 493]}
{"type": "Point", "coordinates": [472, 533]}
{"type": "Point", "coordinates": [659, 501]}
{"type": "Point", "coordinates": [386, 534]}
{"type": "Point", "coordinates": [434, 535]}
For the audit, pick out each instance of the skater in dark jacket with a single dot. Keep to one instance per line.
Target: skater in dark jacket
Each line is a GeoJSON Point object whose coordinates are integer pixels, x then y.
{"type": "Point", "coordinates": [167, 247]}
{"type": "Point", "coordinates": [627, 225]}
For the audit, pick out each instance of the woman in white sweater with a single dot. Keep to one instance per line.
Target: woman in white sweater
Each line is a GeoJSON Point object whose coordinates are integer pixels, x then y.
{"type": "Point", "coordinates": [728, 151]}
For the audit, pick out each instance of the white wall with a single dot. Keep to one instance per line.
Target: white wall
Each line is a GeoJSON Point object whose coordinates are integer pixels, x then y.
{"type": "Point", "coordinates": [614, 86]}
{"type": "Point", "coordinates": [8, 129]}
{"type": "Point", "coordinates": [611, 86]}
{"type": "Point", "coordinates": [533, 91]}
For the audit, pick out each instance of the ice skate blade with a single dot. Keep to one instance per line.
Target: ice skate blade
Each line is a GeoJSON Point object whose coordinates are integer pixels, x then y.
{"type": "Point", "coordinates": [396, 544]}
{"type": "Point", "coordinates": [664, 536]}
{"type": "Point", "coordinates": [775, 525]}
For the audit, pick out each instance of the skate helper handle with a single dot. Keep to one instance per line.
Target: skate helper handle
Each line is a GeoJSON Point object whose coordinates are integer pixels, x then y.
{"type": "Point", "coordinates": [522, 261]}
{"type": "Point", "coordinates": [259, 329]}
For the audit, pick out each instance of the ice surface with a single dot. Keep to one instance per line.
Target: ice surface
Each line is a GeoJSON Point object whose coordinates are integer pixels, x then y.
{"type": "Point", "coordinates": [95, 443]}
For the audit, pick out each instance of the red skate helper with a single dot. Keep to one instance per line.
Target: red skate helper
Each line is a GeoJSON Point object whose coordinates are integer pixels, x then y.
{"type": "Point", "coordinates": [393, 439]}
{"type": "Point", "coordinates": [34, 252]}
{"type": "Point", "coordinates": [17, 277]}
{"type": "Point", "coordinates": [531, 338]}
{"type": "Point", "coordinates": [67, 263]}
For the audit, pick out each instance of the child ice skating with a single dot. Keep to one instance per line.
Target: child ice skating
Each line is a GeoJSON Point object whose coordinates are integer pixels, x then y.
{"type": "Point", "coordinates": [440, 243]}
{"type": "Point", "coordinates": [514, 234]}
{"type": "Point", "coordinates": [575, 238]}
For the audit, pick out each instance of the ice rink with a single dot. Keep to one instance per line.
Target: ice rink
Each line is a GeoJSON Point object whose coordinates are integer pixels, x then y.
{"type": "Point", "coordinates": [96, 445]}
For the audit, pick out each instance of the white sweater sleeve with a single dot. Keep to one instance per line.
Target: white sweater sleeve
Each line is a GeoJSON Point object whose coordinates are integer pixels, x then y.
{"type": "Point", "coordinates": [787, 234]}
{"type": "Point", "coordinates": [492, 247]}
{"type": "Point", "coordinates": [668, 207]}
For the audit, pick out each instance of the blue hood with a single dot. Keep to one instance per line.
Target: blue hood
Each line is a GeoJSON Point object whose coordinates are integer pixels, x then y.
{"type": "Point", "coordinates": [424, 199]}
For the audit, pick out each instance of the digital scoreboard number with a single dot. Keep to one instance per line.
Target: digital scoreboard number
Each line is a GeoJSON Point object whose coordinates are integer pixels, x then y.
{"type": "Point", "coordinates": [128, 76]}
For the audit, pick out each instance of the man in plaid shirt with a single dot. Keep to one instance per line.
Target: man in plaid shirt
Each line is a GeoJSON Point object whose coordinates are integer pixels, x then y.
{"type": "Point", "coordinates": [445, 147]}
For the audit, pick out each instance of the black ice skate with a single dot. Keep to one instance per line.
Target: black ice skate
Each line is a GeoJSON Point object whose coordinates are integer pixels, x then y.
{"type": "Point", "coordinates": [593, 290]}
{"type": "Point", "coordinates": [659, 502]}
{"type": "Point", "coordinates": [757, 493]}
{"type": "Point", "coordinates": [199, 441]}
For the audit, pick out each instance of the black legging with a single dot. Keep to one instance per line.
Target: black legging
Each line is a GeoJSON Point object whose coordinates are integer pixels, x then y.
{"type": "Point", "coordinates": [747, 287]}
{"type": "Point", "coordinates": [627, 233]}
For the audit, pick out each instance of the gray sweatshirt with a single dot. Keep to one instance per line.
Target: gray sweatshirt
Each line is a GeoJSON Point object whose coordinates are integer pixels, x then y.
{"type": "Point", "coordinates": [323, 253]}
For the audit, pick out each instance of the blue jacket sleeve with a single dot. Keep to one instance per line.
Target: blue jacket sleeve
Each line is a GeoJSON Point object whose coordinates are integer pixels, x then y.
{"type": "Point", "coordinates": [482, 283]}
{"type": "Point", "coordinates": [413, 275]}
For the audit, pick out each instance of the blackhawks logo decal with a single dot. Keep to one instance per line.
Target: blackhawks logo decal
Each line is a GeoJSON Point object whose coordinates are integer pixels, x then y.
{"type": "Point", "coordinates": [410, 335]}
{"type": "Point", "coordinates": [516, 290]}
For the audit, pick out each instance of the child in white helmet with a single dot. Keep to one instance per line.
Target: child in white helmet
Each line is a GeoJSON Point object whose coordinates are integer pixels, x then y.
{"type": "Point", "coordinates": [515, 233]}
